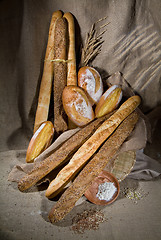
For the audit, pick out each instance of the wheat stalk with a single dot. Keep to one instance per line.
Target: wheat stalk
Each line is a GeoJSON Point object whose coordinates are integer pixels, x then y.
{"type": "Point", "coordinates": [93, 43]}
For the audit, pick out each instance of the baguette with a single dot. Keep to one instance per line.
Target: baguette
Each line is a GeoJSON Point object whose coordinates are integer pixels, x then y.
{"type": "Point", "coordinates": [84, 153]}
{"type": "Point", "coordinates": [60, 73]}
{"type": "Point", "coordinates": [71, 64]}
{"type": "Point", "coordinates": [84, 180]}
{"type": "Point", "coordinates": [47, 77]}
{"type": "Point", "coordinates": [60, 156]}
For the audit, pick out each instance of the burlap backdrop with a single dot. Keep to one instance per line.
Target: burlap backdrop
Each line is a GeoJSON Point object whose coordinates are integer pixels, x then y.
{"type": "Point", "coordinates": [132, 46]}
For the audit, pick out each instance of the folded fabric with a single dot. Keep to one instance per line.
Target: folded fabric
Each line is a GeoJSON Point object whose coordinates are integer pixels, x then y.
{"type": "Point", "coordinates": [145, 168]}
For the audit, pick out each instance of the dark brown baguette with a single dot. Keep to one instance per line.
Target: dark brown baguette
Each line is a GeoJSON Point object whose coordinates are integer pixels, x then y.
{"type": "Point", "coordinates": [60, 156]}
{"type": "Point", "coordinates": [60, 73]}
{"type": "Point", "coordinates": [84, 180]}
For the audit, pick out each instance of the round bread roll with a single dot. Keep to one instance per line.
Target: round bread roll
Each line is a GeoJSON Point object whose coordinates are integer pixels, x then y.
{"type": "Point", "coordinates": [108, 101]}
{"type": "Point", "coordinates": [90, 80]}
{"type": "Point", "coordinates": [77, 105]}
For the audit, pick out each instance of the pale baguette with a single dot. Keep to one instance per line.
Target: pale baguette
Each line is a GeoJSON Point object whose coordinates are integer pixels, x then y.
{"type": "Point", "coordinates": [91, 145]}
{"type": "Point", "coordinates": [60, 156]}
{"type": "Point", "coordinates": [47, 77]}
{"type": "Point", "coordinates": [71, 64]}
{"type": "Point", "coordinates": [84, 180]}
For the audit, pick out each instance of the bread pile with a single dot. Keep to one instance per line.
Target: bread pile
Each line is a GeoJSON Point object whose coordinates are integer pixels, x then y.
{"type": "Point", "coordinates": [79, 100]}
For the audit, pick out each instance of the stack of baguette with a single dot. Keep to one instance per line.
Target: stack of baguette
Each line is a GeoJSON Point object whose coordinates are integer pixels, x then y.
{"type": "Point", "coordinates": [103, 129]}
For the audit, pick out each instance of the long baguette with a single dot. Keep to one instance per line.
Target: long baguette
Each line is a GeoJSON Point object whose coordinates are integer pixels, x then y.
{"type": "Point", "coordinates": [47, 77]}
{"type": "Point", "coordinates": [91, 145]}
{"type": "Point", "coordinates": [60, 73]}
{"type": "Point", "coordinates": [60, 156]}
{"type": "Point", "coordinates": [84, 180]}
{"type": "Point", "coordinates": [71, 65]}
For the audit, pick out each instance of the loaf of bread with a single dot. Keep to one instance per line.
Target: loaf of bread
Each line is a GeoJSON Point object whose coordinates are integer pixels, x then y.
{"type": "Point", "coordinates": [108, 101]}
{"type": "Point", "coordinates": [90, 80]}
{"type": "Point", "coordinates": [60, 73]}
{"type": "Point", "coordinates": [47, 77]}
{"type": "Point", "coordinates": [41, 139]}
{"type": "Point", "coordinates": [77, 105]}
{"type": "Point", "coordinates": [71, 63]}
{"type": "Point", "coordinates": [60, 156]}
{"type": "Point", "coordinates": [86, 151]}
{"type": "Point", "coordinates": [84, 180]}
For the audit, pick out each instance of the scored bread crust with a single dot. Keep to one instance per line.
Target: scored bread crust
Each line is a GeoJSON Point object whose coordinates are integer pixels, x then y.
{"type": "Point", "coordinates": [60, 156]}
{"type": "Point", "coordinates": [84, 180]}
{"type": "Point", "coordinates": [77, 105]}
{"type": "Point", "coordinates": [40, 141]}
{"type": "Point", "coordinates": [47, 77]}
{"type": "Point", "coordinates": [91, 145]}
{"type": "Point", "coordinates": [60, 73]}
{"type": "Point", "coordinates": [90, 80]}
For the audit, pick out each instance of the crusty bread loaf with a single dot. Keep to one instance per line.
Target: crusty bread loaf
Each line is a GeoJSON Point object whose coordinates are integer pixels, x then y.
{"type": "Point", "coordinates": [47, 77]}
{"type": "Point", "coordinates": [77, 105]}
{"type": "Point", "coordinates": [90, 80]}
{"type": "Point", "coordinates": [91, 145]}
{"type": "Point", "coordinates": [84, 180]}
{"type": "Point", "coordinates": [108, 101]}
{"type": "Point", "coordinates": [60, 73]}
{"type": "Point", "coordinates": [41, 139]}
{"type": "Point", "coordinates": [60, 156]}
{"type": "Point", "coordinates": [71, 64]}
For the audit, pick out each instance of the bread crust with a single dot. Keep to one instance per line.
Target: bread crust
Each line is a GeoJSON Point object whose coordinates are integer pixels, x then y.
{"type": "Point", "coordinates": [90, 80]}
{"type": "Point", "coordinates": [47, 77]}
{"type": "Point", "coordinates": [84, 180]}
{"type": "Point", "coordinates": [108, 101]}
{"type": "Point", "coordinates": [60, 156]}
{"type": "Point", "coordinates": [41, 139]}
{"type": "Point", "coordinates": [86, 151]}
{"type": "Point", "coordinates": [77, 105]}
{"type": "Point", "coordinates": [60, 74]}
{"type": "Point", "coordinates": [71, 64]}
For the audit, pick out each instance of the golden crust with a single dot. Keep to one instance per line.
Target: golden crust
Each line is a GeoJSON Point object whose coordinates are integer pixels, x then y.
{"type": "Point", "coordinates": [77, 105]}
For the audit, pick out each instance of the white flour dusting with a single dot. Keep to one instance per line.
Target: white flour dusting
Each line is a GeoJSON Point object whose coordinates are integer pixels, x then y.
{"type": "Point", "coordinates": [81, 106]}
{"type": "Point", "coordinates": [106, 191]}
{"type": "Point", "coordinates": [88, 82]}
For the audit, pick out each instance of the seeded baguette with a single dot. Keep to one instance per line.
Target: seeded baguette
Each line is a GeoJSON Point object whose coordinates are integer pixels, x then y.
{"type": "Point", "coordinates": [60, 156]}
{"type": "Point", "coordinates": [47, 77]}
{"type": "Point", "coordinates": [60, 73]}
{"type": "Point", "coordinates": [86, 151]}
{"type": "Point", "coordinates": [84, 180]}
